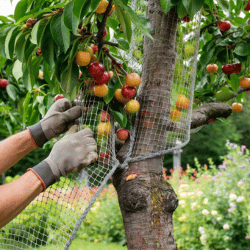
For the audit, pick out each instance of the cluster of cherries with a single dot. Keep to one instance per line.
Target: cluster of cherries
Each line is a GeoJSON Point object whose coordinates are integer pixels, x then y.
{"type": "Point", "coordinates": [97, 70]}
{"type": "Point", "coordinates": [231, 68]}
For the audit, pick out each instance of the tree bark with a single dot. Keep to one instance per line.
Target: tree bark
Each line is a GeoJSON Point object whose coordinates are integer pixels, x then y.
{"type": "Point", "coordinates": [147, 202]}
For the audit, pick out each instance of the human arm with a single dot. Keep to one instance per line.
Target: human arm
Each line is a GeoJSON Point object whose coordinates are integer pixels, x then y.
{"type": "Point", "coordinates": [16, 195]}
{"type": "Point", "coordinates": [58, 119]}
{"type": "Point", "coordinates": [74, 151]}
{"type": "Point", "coordinates": [15, 148]}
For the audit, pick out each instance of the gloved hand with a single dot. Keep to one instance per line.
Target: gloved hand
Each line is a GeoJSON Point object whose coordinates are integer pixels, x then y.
{"type": "Point", "coordinates": [61, 115]}
{"type": "Point", "coordinates": [73, 152]}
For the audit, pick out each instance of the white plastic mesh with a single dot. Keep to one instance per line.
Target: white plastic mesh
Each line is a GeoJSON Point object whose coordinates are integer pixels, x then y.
{"type": "Point", "coordinates": [54, 217]}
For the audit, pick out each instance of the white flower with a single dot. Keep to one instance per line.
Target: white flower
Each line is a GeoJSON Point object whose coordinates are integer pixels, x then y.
{"type": "Point", "coordinates": [205, 201]}
{"type": "Point", "coordinates": [232, 205]}
{"type": "Point", "coordinates": [249, 217]}
{"type": "Point", "coordinates": [226, 226]}
{"type": "Point", "coordinates": [240, 183]}
{"type": "Point", "coordinates": [214, 212]}
{"type": "Point", "coordinates": [201, 230]}
{"type": "Point", "coordinates": [193, 205]}
{"type": "Point", "coordinates": [230, 210]}
{"type": "Point", "coordinates": [240, 199]}
{"type": "Point", "coordinates": [183, 194]}
{"type": "Point", "coordinates": [203, 239]}
{"type": "Point", "coordinates": [182, 203]}
{"type": "Point", "coordinates": [219, 218]}
{"type": "Point", "coordinates": [205, 212]}
{"type": "Point", "coordinates": [184, 186]}
{"type": "Point", "coordinates": [199, 192]}
{"type": "Point", "coordinates": [232, 197]}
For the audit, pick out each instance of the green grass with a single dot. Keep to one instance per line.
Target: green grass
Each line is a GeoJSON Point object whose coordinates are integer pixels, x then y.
{"type": "Point", "coordinates": [78, 244]}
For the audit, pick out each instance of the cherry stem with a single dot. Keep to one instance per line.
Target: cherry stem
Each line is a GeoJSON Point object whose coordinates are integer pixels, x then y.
{"type": "Point", "coordinates": [118, 78]}
{"type": "Point", "coordinates": [114, 61]}
{"type": "Point", "coordinates": [227, 56]}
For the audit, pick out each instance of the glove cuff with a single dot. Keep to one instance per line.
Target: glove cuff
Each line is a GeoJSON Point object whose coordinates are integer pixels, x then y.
{"type": "Point", "coordinates": [38, 134]}
{"type": "Point", "coordinates": [45, 173]}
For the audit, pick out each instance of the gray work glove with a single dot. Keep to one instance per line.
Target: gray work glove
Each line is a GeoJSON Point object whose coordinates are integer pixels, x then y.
{"type": "Point", "coordinates": [59, 118]}
{"type": "Point", "coordinates": [73, 152]}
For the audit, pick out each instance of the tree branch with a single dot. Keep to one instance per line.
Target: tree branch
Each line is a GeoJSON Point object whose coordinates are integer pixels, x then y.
{"type": "Point", "coordinates": [116, 63]}
{"type": "Point", "coordinates": [208, 25]}
{"type": "Point", "coordinates": [101, 26]}
{"type": "Point", "coordinates": [204, 113]}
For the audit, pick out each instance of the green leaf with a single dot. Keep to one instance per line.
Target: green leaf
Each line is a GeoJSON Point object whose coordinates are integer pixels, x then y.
{"type": "Point", "coordinates": [25, 107]}
{"type": "Point", "coordinates": [124, 21]}
{"type": "Point", "coordinates": [60, 32]}
{"type": "Point", "coordinates": [242, 49]}
{"type": "Point", "coordinates": [118, 116]}
{"type": "Point", "coordinates": [78, 7]}
{"type": "Point", "coordinates": [48, 47]}
{"type": "Point", "coordinates": [94, 4]}
{"type": "Point", "coordinates": [10, 42]}
{"type": "Point", "coordinates": [17, 70]}
{"type": "Point", "coordinates": [194, 7]}
{"type": "Point", "coordinates": [239, 20]}
{"type": "Point", "coordinates": [125, 118]}
{"type": "Point", "coordinates": [206, 57]}
{"type": "Point", "coordinates": [34, 117]}
{"type": "Point", "coordinates": [141, 22]}
{"type": "Point", "coordinates": [123, 44]}
{"type": "Point", "coordinates": [37, 31]}
{"type": "Point", "coordinates": [234, 82]}
{"type": "Point", "coordinates": [113, 85]}
{"type": "Point", "coordinates": [167, 5]}
{"type": "Point", "coordinates": [21, 45]}
{"type": "Point", "coordinates": [3, 34]}
{"type": "Point", "coordinates": [70, 20]}
{"type": "Point", "coordinates": [224, 4]}
{"type": "Point", "coordinates": [20, 9]}
{"type": "Point", "coordinates": [69, 78]}
{"type": "Point", "coordinates": [186, 3]}
{"type": "Point", "coordinates": [181, 10]}
{"type": "Point", "coordinates": [12, 91]}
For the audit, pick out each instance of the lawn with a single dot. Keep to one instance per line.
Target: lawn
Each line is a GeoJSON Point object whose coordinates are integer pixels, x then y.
{"type": "Point", "coordinates": [78, 244]}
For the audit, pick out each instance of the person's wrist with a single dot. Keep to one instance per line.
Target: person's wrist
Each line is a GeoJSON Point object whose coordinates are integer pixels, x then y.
{"type": "Point", "coordinates": [37, 134]}
{"type": "Point", "coordinates": [44, 173]}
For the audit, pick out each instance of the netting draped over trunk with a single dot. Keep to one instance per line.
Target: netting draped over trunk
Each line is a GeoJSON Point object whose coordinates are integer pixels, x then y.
{"type": "Point", "coordinates": [54, 217]}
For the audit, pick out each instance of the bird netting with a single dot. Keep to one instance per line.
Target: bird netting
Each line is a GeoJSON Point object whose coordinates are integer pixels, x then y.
{"type": "Point", "coordinates": [55, 216]}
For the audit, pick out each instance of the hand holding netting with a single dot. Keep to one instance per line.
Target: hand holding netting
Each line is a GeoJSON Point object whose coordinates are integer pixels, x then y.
{"type": "Point", "coordinates": [59, 118]}
{"type": "Point", "coordinates": [73, 152]}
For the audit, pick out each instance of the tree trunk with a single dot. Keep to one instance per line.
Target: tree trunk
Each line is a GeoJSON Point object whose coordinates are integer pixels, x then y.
{"type": "Point", "coordinates": [147, 202]}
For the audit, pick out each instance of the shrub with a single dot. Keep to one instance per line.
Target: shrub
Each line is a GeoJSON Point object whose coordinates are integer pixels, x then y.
{"type": "Point", "coordinates": [213, 211]}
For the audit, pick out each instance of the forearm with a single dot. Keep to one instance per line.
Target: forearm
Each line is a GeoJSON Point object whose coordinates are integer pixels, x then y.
{"type": "Point", "coordinates": [18, 194]}
{"type": "Point", "coordinates": [15, 148]}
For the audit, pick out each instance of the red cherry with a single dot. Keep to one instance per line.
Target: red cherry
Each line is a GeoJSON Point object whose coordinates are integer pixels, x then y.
{"type": "Point", "coordinates": [103, 79]}
{"type": "Point", "coordinates": [104, 116]}
{"type": "Point", "coordinates": [228, 69]}
{"type": "Point", "coordinates": [96, 69]}
{"type": "Point", "coordinates": [128, 92]}
{"type": "Point", "coordinates": [105, 33]}
{"type": "Point", "coordinates": [59, 96]}
{"type": "Point", "coordinates": [224, 26]}
{"type": "Point", "coordinates": [122, 134]}
{"type": "Point", "coordinates": [3, 83]}
{"type": "Point", "coordinates": [247, 8]}
{"type": "Point", "coordinates": [237, 68]}
{"type": "Point", "coordinates": [94, 48]}
{"type": "Point", "coordinates": [186, 19]}
{"type": "Point", "coordinates": [211, 120]}
{"type": "Point", "coordinates": [104, 156]}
